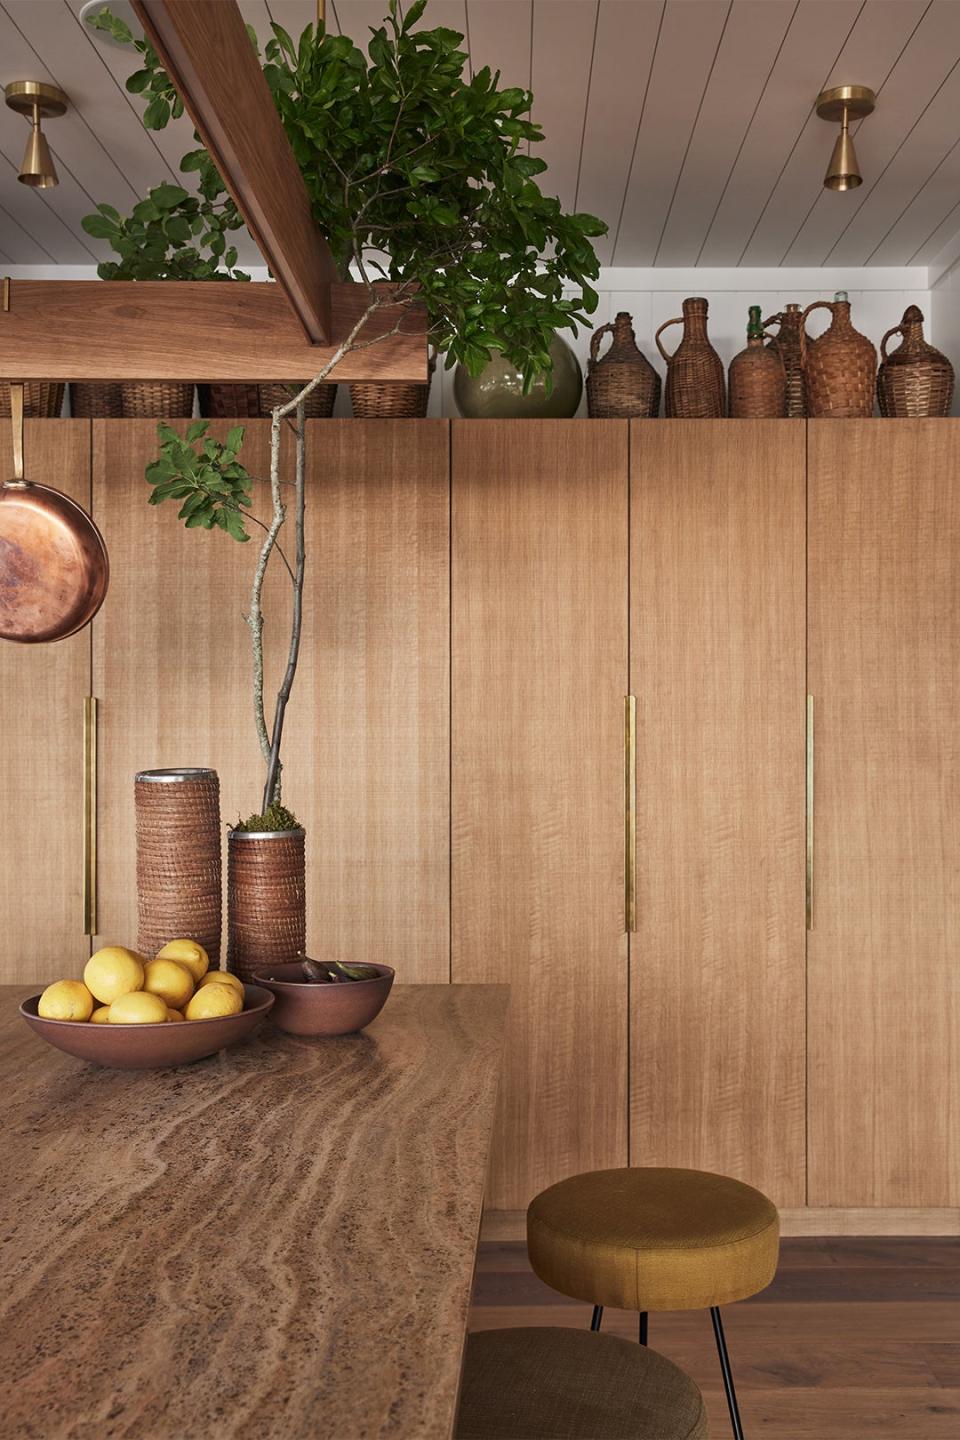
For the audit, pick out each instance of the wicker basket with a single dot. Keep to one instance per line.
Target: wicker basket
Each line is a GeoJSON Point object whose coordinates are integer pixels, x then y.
{"type": "Point", "coordinates": [96, 399]}
{"type": "Point", "coordinates": [157, 400]}
{"type": "Point", "coordinates": [916, 380]}
{"type": "Point", "coordinates": [42, 399]}
{"type": "Point", "coordinates": [757, 379]}
{"type": "Point", "coordinates": [695, 387]}
{"type": "Point", "coordinates": [224, 401]}
{"type": "Point", "coordinates": [623, 385]}
{"type": "Point", "coordinates": [790, 323]}
{"type": "Point", "coordinates": [318, 404]}
{"type": "Point", "coordinates": [266, 900]}
{"type": "Point", "coordinates": [179, 892]}
{"type": "Point", "coordinates": [374, 400]}
{"type": "Point", "coordinates": [839, 367]}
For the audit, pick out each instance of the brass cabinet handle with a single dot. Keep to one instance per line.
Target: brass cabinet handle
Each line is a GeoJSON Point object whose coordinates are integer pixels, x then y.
{"type": "Point", "coordinates": [809, 812]}
{"type": "Point", "coordinates": [630, 812]}
{"type": "Point", "coordinates": [90, 815]}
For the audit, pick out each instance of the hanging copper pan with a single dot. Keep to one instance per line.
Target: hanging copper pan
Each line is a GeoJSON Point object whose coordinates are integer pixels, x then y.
{"type": "Point", "coordinates": [53, 562]}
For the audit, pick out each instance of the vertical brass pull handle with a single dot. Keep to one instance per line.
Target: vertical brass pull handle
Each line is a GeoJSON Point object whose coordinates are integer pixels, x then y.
{"type": "Point", "coordinates": [809, 812]}
{"type": "Point", "coordinates": [90, 815]}
{"type": "Point", "coordinates": [630, 812]}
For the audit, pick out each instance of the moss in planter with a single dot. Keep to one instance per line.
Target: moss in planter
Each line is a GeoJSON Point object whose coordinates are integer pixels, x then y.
{"type": "Point", "coordinates": [275, 817]}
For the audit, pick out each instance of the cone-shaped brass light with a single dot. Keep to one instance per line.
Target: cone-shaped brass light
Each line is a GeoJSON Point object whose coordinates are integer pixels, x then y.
{"type": "Point", "coordinates": [38, 101]}
{"type": "Point", "coordinates": [843, 103]}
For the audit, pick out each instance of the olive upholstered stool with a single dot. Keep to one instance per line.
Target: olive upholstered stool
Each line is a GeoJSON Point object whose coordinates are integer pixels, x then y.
{"type": "Point", "coordinates": [552, 1384]}
{"type": "Point", "coordinates": [656, 1239]}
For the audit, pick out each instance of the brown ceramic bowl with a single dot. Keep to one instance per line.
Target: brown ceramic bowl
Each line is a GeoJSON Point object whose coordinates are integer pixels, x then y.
{"type": "Point", "coordinates": [150, 1047]}
{"type": "Point", "coordinates": [303, 1008]}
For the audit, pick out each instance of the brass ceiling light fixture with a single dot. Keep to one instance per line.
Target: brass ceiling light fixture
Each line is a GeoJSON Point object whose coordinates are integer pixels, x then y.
{"type": "Point", "coordinates": [37, 101]}
{"type": "Point", "coordinates": [844, 103]}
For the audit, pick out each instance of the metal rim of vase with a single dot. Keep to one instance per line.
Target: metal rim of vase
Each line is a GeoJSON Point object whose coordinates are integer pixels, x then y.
{"type": "Point", "coordinates": [173, 777]}
{"type": "Point", "coordinates": [266, 834]}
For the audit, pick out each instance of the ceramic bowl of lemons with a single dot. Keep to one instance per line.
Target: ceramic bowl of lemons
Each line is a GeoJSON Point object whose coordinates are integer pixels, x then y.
{"type": "Point", "coordinates": [132, 1012]}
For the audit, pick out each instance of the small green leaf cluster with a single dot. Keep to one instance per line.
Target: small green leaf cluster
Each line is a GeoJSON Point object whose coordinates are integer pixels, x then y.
{"type": "Point", "coordinates": [275, 817]}
{"type": "Point", "coordinates": [422, 175]}
{"type": "Point", "coordinates": [170, 235]}
{"type": "Point", "coordinates": [205, 475]}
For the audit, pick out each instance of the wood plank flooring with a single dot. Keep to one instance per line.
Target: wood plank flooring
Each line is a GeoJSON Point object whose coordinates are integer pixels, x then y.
{"type": "Point", "coordinates": [856, 1339]}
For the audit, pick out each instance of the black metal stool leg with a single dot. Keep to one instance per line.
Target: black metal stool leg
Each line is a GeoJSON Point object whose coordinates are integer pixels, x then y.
{"type": "Point", "coordinates": [644, 1322]}
{"type": "Point", "coordinates": [597, 1317]}
{"type": "Point", "coordinates": [726, 1372]}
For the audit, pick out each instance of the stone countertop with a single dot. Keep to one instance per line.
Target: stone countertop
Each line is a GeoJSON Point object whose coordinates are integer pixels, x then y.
{"type": "Point", "coordinates": [275, 1242]}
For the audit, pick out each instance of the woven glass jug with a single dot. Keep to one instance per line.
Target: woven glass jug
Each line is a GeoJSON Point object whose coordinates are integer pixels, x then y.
{"type": "Point", "coordinates": [623, 385]}
{"type": "Point", "coordinates": [789, 322]}
{"type": "Point", "coordinates": [839, 367]}
{"type": "Point", "coordinates": [916, 380]}
{"type": "Point", "coordinates": [695, 381]}
{"type": "Point", "coordinates": [757, 380]}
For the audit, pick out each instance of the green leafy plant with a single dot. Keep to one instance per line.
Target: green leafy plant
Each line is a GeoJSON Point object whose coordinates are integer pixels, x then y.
{"type": "Point", "coordinates": [421, 180]}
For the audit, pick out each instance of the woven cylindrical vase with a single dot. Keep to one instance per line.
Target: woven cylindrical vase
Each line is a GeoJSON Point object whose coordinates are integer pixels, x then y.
{"type": "Point", "coordinates": [266, 900]}
{"type": "Point", "coordinates": [179, 889]}
{"type": "Point", "coordinates": [917, 379]}
{"type": "Point", "coordinates": [839, 367]}
{"type": "Point", "coordinates": [623, 384]}
{"type": "Point", "coordinates": [695, 388]}
{"type": "Point", "coordinates": [757, 381]}
{"type": "Point", "coordinates": [790, 323]}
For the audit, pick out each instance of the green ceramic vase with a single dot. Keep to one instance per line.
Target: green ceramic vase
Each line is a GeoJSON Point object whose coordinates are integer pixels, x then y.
{"type": "Point", "coordinates": [497, 392]}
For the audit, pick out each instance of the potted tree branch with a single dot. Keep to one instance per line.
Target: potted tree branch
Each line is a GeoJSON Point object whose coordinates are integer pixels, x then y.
{"type": "Point", "coordinates": [420, 179]}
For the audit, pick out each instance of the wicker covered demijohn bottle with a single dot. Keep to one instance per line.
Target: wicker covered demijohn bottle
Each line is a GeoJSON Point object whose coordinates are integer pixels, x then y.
{"type": "Point", "coordinates": [839, 367]}
{"type": "Point", "coordinates": [916, 380]}
{"type": "Point", "coordinates": [757, 379]}
{"type": "Point", "coordinates": [623, 385]}
{"type": "Point", "coordinates": [787, 341]}
{"type": "Point", "coordinates": [695, 387]}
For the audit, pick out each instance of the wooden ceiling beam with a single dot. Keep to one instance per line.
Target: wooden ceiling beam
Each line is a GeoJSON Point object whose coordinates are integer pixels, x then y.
{"type": "Point", "coordinates": [205, 49]}
{"type": "Point", "coordinates": [193, 330]}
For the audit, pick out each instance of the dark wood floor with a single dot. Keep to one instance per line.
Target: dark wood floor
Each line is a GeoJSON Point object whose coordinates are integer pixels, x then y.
{"type": "Point", "coordinates": [854, 1340]}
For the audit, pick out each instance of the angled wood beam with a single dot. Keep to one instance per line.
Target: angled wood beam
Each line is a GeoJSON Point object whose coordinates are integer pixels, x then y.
{"type": "Point", "coordinates": [193, 330]}
{"type": "Point", "coordinates": [205, 49]}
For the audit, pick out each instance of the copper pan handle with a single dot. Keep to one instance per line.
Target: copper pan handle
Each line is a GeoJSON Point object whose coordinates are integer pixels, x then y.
{"type": "Point", "coordinates": [16, 420]}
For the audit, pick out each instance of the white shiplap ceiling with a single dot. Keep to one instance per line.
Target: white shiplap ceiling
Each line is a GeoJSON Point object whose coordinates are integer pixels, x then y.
{"type": "Point", "coordinates": [688, 125]}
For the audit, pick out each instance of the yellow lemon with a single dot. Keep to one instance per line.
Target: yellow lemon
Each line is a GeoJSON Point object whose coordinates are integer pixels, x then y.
{"type": "Point", "coordinates": [174, 1014]}
{"type": "Point", "coordinates": [138, 1008]}
{"type": "Point", "coordinates": [170, 980]}
{"type": "Point", "coordinates": [212, 1001]}
{"type": "Point", "coordinates": [66, 1000]}
{"type": "Point", "coordinates": [101, 1015]}
{"type": "Point", "coordinates": [188, 953]}
{"type": "Point", "coordinates": [112, 972]}
{"type": "Point", "coordinates": [223, 977]}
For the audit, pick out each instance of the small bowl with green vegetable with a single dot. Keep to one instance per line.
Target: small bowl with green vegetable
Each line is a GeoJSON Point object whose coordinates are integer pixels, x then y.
{"type": "Point", "coordinates": [325, 997]}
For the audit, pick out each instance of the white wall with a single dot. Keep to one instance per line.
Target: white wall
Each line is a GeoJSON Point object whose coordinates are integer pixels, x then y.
{"type": "Point", "coordinates": [878, 296]}
{"type": "Point", "coordinates": [944, 331]}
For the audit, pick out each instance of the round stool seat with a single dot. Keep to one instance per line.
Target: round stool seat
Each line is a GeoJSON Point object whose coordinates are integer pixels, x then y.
{"type": "Point", "coordinates": [654, 1239]}
{"type": "Point", "coordinates": [552, 1384]}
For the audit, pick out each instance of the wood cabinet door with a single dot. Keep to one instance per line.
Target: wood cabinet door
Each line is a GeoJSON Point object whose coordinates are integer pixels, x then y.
{"type": "Point", "coordinates": [42, 690]}
{"type": "Point", "coordinates": [717, 666]}
{"type": "Point", "coordinates": [366, 743]}
{"type": "Point", "coordinates": [884, 969]}
{"type": "Point", "coordinates": [539, 617]}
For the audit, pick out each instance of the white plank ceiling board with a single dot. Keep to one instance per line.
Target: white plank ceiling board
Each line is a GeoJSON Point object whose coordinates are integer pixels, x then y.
{"type": "Point", "coordinates": [817, 27]}
{"type": "Point", "coordinates": [925, 148]}
{"type": "Point", "coordinates": [751, 44]}
{"type": "Point", "coordinates": [926, 60]}
{"type": "Point", "coordinates": [871, 50]}
{"type": "Point", "coordinates": [500, 32]}
{"type": "Point", "coordinates": [686, 51]}
{"type": "Point", "coordinates": [626, 40]}
{"type": "Point", "coordinates": [563, 37]}
{"type": "Point", "coordinates": [687, 125]}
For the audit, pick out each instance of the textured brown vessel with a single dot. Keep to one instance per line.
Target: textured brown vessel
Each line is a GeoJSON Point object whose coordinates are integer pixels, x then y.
{"type": "Point", "coordinates": [179, 892]}
{"type": "Point", "coordinates": [266, 900]}
{"type": "Point", "coordinates": [96, 399]}
{"type": "Point", "coordinates": [623, 385]}
{"type": "Point", "coordinates": [42, 399]}
{"type": "Point", "coordinates": [156, 400]}
{"type": "Point", "coordinates": [398, 401]}
{"type": "Point", "coordinates": [839, 367]}
{"type": "Point", "coordinates": [695, 388]}
{"type": "Point", "coordinates": [787, 341]}
{"type": "Point", "coordinates": [757, 380]}
{"type": "Point", "coordinates": [305, 1009]}
{"type": "Point", "coordinates": [917, 379]}
{"type": "Point", "coordinates": [317, 406]}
